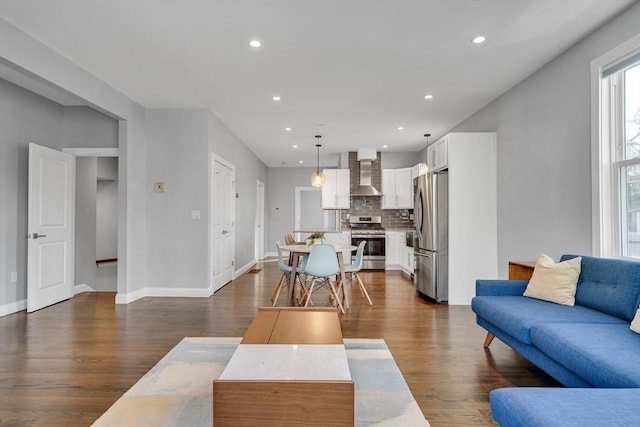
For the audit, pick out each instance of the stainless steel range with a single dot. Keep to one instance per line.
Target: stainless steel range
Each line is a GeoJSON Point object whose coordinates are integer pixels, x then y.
{"type": "Point", "coordinates": [369, 229]}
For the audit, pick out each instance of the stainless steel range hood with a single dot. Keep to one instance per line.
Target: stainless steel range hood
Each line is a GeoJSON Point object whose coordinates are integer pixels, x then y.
{"type": "Point", "coordinates": [365, 158]}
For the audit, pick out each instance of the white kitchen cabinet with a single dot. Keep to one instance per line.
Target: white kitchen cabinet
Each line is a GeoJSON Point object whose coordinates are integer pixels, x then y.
{"type": "Point", "coordinates": [335, 193]}
{"type": "Point", "coordinates": [419, 169]}
{"type": "Point", "coordinates": [438, 154]}
{"type": "Point", "coordinates": [394, 244]}
{"type": "Point", "coordinates": [397, 188]}
{"type": "Point", "coordinates": [407, 263]}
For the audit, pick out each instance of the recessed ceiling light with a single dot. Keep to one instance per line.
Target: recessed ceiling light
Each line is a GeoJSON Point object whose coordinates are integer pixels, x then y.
{"type": "Point", "coordinates": [287, 129]}
{"type": "Point", "coordinates": [255, 43]}
{"type": "Point", "coordinates": [294, 146]}
{"type": "Point", "coordinates": [385, 146]}
{"type": "Point", "coordinates": [478, 39]}
{"type": "Point", "coordinates": [428, 97]}
{"type": "Point", "coordinates": [300, 161]}
{"type": "Point", "coordinates": [276, 98]}
{"type": "Point", "coordinates": [400, 128]}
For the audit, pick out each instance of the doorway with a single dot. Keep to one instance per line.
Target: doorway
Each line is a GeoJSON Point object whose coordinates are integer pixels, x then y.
{"type": "Point", "coordinates": [222, 229]}
{"type": "Point", "coordinates": [309, 214]}
{"type": "Point", "coordinates": [96, 259]}
{"type": "Point", "coordinates": [259, 234]}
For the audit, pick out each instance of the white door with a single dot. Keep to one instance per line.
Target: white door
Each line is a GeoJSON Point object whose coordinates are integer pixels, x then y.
{"type": "Point", "coordinates": [259, 251]}
{"type": "Point", "coordinates": [51, 220]}
{"type": "Point", "coordinates": [223, 222]}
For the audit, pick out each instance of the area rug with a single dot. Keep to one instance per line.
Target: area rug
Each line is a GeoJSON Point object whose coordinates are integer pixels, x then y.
{"type": "Point", "coordinates": [178, 390]}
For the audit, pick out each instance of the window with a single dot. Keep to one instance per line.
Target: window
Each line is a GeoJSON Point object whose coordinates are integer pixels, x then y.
{"type": "Point", "coordinates": [619, 150]}
{"type": "Point", "coordinates": [628, 162]}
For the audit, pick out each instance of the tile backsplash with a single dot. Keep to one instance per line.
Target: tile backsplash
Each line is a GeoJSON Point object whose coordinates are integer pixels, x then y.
{"type": "Point", "coordinates": [371, 206]}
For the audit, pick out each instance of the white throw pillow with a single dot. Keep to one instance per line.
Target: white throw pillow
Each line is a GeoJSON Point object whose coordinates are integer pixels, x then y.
{"type": "Point", "coordinates": [635, 323]}
{"type": "Point", "coordinates": [554, 282]}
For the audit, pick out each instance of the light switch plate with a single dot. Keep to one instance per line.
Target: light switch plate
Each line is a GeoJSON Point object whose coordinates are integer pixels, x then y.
{"type": "Point", "coordinates": [158, 187]}
{"type": "Point", "coordinates": [14, 277]}
{"type": "Point", "coordinates": [195, 214]}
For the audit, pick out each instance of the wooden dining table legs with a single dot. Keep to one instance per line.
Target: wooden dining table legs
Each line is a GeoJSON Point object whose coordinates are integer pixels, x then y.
{"type": "Point", "coordinates": [292, 278]}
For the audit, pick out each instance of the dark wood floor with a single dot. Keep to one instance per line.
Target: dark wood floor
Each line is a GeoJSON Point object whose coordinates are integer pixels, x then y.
{"type": "Point", "coordinates": [66, 364]}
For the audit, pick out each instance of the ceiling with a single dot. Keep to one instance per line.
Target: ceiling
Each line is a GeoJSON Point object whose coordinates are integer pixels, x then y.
{"type": "Point", "coordinates": [353, 71]}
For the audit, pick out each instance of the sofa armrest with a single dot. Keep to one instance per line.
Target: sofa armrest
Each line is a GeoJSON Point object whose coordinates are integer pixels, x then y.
{"type": "Point", "coordinates": [486, 287]}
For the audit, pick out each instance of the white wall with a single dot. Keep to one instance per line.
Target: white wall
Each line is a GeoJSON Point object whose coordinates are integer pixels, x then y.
{"type": "Point", "coordinates": [26, 117]}
{"type": "Point", "coordinates": [280, 203]}
{"type": "Point", "coordinates": [249, 169]}
{"type": "Point", "coordinates": [23, 52]}
{"type": "Point", "coordinates": [177, 155]}
{"type": "Point", "coordinates": [86, 208]}
{"type": "Point", "coordinates": [397, 160]}
{"type": "Point", "coordinates": [20, 111]}
{"type": "Point", "coordinates": [544, 165]}
{"type": "Point", "coordinates": [107, 208]}
{"type": "Point", "coordinates": [179, 145]}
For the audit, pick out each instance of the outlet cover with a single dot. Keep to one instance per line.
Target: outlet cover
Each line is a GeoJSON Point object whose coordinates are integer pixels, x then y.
{"type": "Point", "coordinates": [158, 187]}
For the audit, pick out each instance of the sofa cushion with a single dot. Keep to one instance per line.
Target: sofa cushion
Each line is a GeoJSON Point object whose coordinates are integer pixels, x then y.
{"type": "Point", "coordinates": [608, 285]}
{"type": "Point", "coordinates": [605, 355]}
{"type": "Point", "coordinates": [565, 407]}
{"type": "Point", "coordinates": [554, 282]}
{"type": "Point", "coordinates": [517, 314]}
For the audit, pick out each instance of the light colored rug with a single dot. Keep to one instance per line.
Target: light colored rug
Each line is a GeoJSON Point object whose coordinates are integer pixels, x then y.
{"type": "Point", "coordinates": [178, 390]}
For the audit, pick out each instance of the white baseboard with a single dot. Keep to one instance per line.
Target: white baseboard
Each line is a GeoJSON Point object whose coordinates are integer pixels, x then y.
{"type": "Point", "coordinates": [244, 269]}
{"type": "Point", "coordinates": [266, 254]}
{"type": "Point", "coordinates": [130, 296]}
{"type": "Point", "coordinates": [13, 307]}
{"type": "Point", "coordinates": [163, 292]}
{"type": "Point", "coordinates": [82, 287]}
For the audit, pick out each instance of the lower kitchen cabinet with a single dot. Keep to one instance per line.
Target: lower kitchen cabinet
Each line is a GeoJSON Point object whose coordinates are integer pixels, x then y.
{"type": "Point", "coordinates": [398, 255]}
{"type": "Point", "coordinates": [407, 263]}
{"type": "Point", "coordinates": [394, 241]}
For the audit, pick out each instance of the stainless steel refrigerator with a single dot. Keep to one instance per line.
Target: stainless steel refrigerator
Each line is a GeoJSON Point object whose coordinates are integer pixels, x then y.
{"type": "Point", "coordinates": [431, 212]}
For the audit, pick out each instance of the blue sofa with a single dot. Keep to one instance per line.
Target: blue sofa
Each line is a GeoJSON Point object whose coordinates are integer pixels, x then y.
{"type": "Point", "coordinates": [588, 345]}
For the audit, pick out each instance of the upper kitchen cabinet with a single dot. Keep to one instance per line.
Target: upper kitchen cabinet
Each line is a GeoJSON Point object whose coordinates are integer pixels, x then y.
{"type": "Point", "coordinates": [437, 154]}
{"type": "Point", "coordinates": [335, 193]}
{"type": "Point", "coordinates": [397, 188]}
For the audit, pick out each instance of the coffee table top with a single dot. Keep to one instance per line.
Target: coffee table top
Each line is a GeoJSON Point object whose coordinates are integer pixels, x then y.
{"type": "Point", "coordinates": [294, 325]}
{"type": "Point", "coordinates": [315, 362]}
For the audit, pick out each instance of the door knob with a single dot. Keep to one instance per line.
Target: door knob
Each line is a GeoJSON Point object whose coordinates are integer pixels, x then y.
{"type": "Point", "coordinates": [36, 235]}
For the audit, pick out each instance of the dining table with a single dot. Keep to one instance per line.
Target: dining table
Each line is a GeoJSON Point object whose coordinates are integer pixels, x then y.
{"type": "Point", "coordinates": [303, 250]}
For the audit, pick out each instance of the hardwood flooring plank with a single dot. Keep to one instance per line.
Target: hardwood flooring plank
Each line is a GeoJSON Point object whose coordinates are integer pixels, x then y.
{"type": "Point", "coordinates": [67, 364]}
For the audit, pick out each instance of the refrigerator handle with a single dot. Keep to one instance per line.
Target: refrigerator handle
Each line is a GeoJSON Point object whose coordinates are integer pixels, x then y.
{"type": "Point", "coordinates": [423, 254]}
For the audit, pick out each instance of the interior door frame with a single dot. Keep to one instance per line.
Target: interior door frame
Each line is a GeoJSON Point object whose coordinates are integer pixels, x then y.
{"type": "Point", "coordinates": [101, 152]}
{"type": "Point", "coordinates": [259, 231]}
{"type": "Point", "coordinates": [298, 211]}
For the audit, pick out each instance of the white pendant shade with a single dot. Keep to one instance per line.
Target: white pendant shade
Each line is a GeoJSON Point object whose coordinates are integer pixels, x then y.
{"type": "Point", "coordinates": [317, 179]}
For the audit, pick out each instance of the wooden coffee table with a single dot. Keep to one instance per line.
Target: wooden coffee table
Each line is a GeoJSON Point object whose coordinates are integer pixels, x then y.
{"type": "Point", "coordinates": [290, 369]}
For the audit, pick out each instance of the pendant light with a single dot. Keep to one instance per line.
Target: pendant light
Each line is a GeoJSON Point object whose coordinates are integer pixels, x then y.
{"type": "Point", "coordinates": [317, 179]}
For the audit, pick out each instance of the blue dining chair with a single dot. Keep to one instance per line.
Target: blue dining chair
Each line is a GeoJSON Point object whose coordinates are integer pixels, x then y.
{"type": "Point", "coordinates": [352, 271]}
{"type": "Point", "coordinates": [322, 264]}
{"type": "Point", "coordinates": [286, 273]}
